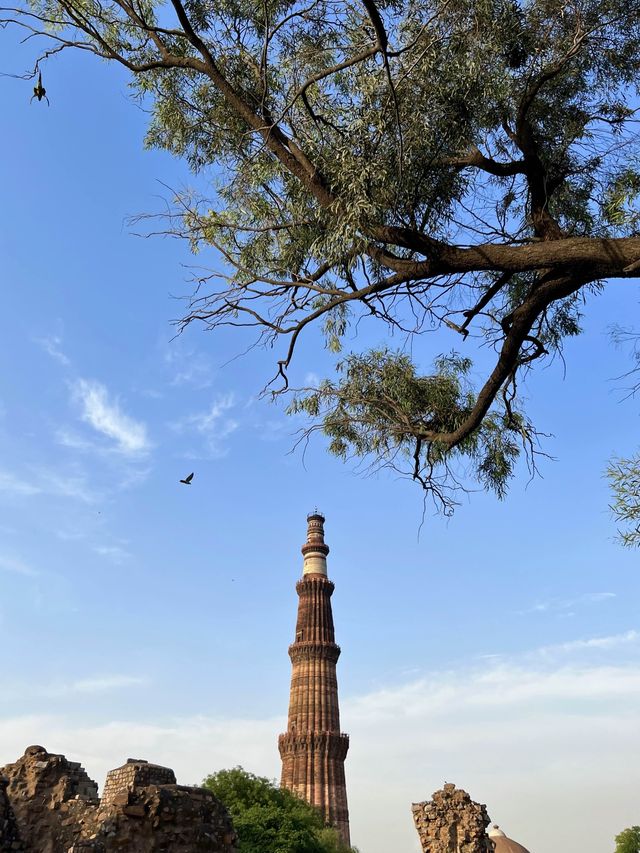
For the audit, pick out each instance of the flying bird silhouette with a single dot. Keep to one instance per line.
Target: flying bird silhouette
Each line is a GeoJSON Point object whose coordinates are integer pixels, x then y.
{"type": "Point", "coordinates": [187, 480]}
{"type": "Point", "coordinates": [39, 91]}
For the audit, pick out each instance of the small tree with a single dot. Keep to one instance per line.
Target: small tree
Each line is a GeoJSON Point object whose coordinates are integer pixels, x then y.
{"type": "Point", "coordinates": [269, 819]}
{"type": "Point", "coordinates": [628, 841]}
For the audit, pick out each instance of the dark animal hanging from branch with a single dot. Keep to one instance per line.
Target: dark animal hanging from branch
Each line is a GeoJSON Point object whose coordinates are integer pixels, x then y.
{"type": "Point", "coordinates": [39, 91]}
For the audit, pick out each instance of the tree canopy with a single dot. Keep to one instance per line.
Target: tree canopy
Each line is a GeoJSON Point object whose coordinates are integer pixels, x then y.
{"type": "Point", "coordinates": [469, 166]}
{"type": "Point", "coordinates": [269, 819]}
{"type": "Point", "coordinates": [628, 841]}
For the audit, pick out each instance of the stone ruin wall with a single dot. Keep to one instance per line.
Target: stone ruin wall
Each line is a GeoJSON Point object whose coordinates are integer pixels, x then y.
{"type": "Point", "coordinates": [136, 773]}
{"type": "Point", "coordinates": [9, 839]}
{"type": "Point", "coordinates": [452, 823]}
{"type": "Point", "coordinates": [50, 805]}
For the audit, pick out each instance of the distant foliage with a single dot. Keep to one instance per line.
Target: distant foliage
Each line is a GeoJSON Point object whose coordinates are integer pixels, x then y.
{"type": "Point", "coordinates": [628, 841]}
{"type": "Point", "coordinates": [269, 819]}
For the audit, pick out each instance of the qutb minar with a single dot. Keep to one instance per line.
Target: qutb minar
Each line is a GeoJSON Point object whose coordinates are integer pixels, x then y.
{"type": "Point", "coordinates": [313, 749]}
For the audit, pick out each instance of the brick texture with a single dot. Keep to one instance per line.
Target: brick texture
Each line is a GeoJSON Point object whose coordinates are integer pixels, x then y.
{"type": "Point", "coordinates": [313, 749]}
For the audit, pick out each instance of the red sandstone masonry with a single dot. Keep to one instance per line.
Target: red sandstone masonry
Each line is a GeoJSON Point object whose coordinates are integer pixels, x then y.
{"type": "Point", "coordinates": [313, 749]}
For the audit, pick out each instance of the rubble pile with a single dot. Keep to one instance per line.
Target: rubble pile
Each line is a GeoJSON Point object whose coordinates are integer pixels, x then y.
{"type": "Point", "coordinates": [452, 823]}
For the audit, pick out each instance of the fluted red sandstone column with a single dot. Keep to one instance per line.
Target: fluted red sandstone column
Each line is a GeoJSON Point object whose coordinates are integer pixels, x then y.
{"type": "Point", "coordinates": [313, 749]}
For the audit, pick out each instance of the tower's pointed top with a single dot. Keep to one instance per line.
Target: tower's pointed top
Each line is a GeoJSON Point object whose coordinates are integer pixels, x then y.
{"type": "Point", "coordinates": [314, 550]}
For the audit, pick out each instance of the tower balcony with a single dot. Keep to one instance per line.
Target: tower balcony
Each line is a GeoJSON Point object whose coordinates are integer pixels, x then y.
{"type": "Point", "coordinates": [301, 650]}
{"type": "Point", "coordinates": [333, 744]}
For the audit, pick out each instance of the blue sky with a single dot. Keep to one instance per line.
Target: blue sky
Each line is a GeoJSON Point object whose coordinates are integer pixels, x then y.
{"type": "Point", "coordinates": [498, 649]}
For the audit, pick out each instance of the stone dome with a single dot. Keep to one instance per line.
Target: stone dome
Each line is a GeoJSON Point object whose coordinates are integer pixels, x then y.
{"type": "Point", "coordinates": [504, 844]}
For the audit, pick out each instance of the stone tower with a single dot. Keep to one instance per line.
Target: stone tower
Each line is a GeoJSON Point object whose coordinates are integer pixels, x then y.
{"type": "Point", "coordinates": [313, 749]}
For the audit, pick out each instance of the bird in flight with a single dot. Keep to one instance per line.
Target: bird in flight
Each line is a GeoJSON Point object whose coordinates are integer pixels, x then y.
{"type": "Point", "coordinates": [187, 480]}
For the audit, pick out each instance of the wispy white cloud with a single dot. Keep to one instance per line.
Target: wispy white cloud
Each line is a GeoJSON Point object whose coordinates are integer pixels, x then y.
{"type": "Point", "coordinates": [613, 641]}
{"type": "Point", "coordinates": [46, 481]}
{"type": "Point", "coordinates": [68, 535]}
{"type": "Point", "coordinates": [593, 643]}
{"type": "Point", "coordinates": [596, 596]}
{"type": "Point", "coordinates": [106, 683]}
{"type": "Point", "coordinates": [188, 367]}
{"type": "Point", "coordinates": [210, 419]}
{"type": "Point", "coordinates": [17, 485]}
{"type": "Point", "coordinates": [70, 438]}
{"type": "Point", "coordinates": [557, 654]}
{"type": "Point", "coordinates": [132, 477]}
{"type": "Point", "coordinates": [51, 344]}
{"type": "Point", "coordinates": [73, 486]}
{"type": "Point", "coordinates": [501, 700]}
{"type": "Point", "coordinates": [312, 380]}
{"type": "Point", "coordinates": [116, 553]}
{"type": "Point", "coordinates": [152, 393]}
{"type": "Point", "coordinates": [276, 430]}
{"type": "Point", "coordinates": [105, 416]}
{"type": "Point", "coordinates": [94, 685]}
{"type": "Point", "coordinates": [564, 605]}
{"type": "Point", "coordinates": [213, 424]}
{"type": "Point", "coordinates": [16, 566]}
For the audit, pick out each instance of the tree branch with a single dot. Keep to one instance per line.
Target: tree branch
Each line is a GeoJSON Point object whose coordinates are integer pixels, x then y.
{"type": "Point", "coordinates": [474, 157]}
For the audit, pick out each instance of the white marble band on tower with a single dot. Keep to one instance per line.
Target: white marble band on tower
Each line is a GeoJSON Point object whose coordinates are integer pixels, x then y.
{"type": "Point", "coordinates": [314, 550]}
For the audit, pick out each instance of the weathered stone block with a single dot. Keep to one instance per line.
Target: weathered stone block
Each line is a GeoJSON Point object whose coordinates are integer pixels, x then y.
{"type": "Point", "coordinates": [451, 822]}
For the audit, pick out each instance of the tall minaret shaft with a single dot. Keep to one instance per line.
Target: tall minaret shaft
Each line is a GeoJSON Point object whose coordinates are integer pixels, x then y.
{"type": "Point", "coordinates": [313, 749]}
